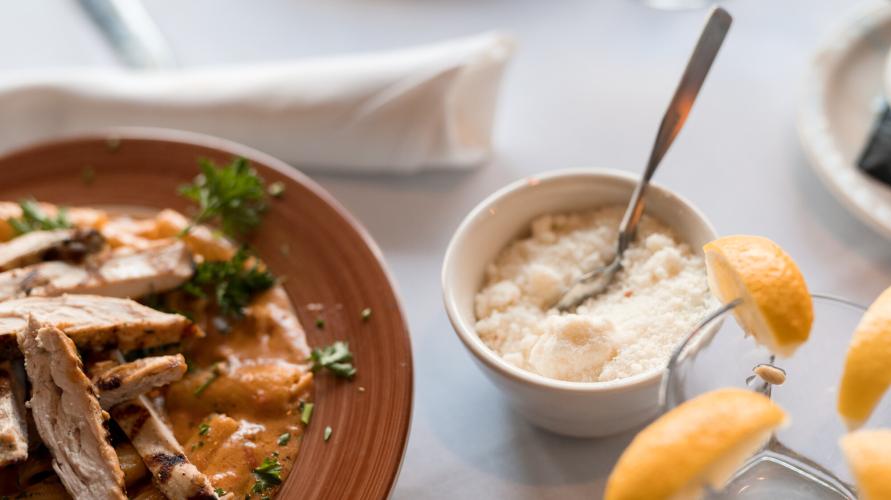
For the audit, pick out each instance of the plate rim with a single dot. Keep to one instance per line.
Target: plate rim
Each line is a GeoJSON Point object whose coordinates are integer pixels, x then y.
{"type": "Point", "coordinates": [229, 147]}
{"type": "Point", "coordinates": [812, 119]}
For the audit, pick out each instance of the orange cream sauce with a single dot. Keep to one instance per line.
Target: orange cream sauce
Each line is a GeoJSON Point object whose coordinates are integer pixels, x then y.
{"type": "Point", "coordinates": [244, 393]}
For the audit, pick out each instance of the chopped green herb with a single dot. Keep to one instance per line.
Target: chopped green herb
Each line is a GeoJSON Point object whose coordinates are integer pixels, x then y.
{"type": "Point", "coordinates": [88, 175]}
{"type": "Point", "coordinates": [203, 429]}
{"type": "Point", "coordinates": [214, 374]}
{"type": "Point", "coordinates": [268, 474]}
{"type": "Point", "coordinates": [284, 438]}
{"type": "Point", "coordinates": [231, 196]}
{"type": "Point", "coordinates": [306, 412]}
{"type": "Point", "coordinates": [328, 432]}
{"type": "Point", "coordinates": [276, 189]}
{"type": "Point", "coordinates": [34, 219]}
{"type": "Point", "coordinates": [320, 323]}
{"type": "Point", "coordinates": [335, 357]}
{"type": "Point", "coordinates": [219, 491]}
{"type": "Point", "coordinates": [231, 283]}
{"type": "Point", "coordinates": [366, 314]}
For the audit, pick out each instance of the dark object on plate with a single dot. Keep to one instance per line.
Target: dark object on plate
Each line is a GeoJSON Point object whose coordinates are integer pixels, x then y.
{"type": "Point", "coordinates": [875, 159]}
{"type": "Point", "coordinates": [330, 261]}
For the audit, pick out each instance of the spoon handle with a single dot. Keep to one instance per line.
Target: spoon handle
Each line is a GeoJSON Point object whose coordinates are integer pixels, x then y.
{"type": "Point", "coordinates": [716, 27]}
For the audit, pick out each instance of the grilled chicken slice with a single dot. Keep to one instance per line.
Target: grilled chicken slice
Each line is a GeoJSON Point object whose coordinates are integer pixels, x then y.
{"type": "Point", "coordinates": [119, 383]}
{"type": "Point", "coordinates": [13, 419]}
{"type": "Point", "coordinates": [172, 472]}
{"type": "Point", "coordinates": [70, 245]}
{"type": "Point", "coordinates": [68, 416]}
{"type": "Point", "coordinates": [95, 322]}
{"type": "Point", "coordinates": [132, 274]}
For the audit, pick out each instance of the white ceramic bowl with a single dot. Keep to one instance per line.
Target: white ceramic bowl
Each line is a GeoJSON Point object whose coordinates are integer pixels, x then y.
{"type": "Point", "coordinates": [584, 409]}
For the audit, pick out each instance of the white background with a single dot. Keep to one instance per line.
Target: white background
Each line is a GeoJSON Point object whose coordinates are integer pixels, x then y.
{"type": "Point", "coordinates": [587, 88]}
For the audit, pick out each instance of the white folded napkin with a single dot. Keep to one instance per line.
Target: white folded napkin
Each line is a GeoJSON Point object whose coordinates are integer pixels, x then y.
{"type": "Point", "coordinates": [399, 111]}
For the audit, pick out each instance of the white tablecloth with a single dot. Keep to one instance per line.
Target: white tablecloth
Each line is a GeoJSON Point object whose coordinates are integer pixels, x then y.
{"type": "Point", "coordinates": [587, 87]}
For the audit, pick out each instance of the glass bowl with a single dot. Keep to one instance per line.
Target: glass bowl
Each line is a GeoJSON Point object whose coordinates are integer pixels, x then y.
{"type": "Point", "coordinates": [802, 460]}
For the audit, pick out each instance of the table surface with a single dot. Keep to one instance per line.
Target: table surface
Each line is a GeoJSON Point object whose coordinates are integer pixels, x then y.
{"type": "Point", "coordinates": [587, 88]}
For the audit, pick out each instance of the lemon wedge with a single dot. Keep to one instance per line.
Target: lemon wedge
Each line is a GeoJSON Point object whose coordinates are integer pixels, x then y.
{"type": "Point", "coordinates": [868, 453]}
{"type": "Point", "coordinates": [776, 307]}
{"type": "Point", "coordinates": [867, 372]}
{"type": "Point", "coordinates": [701, 442]}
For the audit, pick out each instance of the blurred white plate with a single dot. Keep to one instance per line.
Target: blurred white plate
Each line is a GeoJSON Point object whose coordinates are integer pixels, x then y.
{"type": "Point", "coordinates": [841, 99]}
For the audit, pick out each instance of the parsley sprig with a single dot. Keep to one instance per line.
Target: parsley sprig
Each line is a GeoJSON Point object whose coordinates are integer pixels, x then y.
{"type": "Point", "coordinates": [336, 357]}
{"type": "Point", "coordinates": [34, 219]}
{"type": "Point", "coordinates": [232, 197]}
{"type": "Point", "coordinates": [230, 283]}
{"type": "Point", "coordinates": [268, 474]}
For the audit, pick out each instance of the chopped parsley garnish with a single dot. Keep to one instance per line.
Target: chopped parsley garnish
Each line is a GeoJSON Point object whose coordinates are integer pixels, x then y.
{"type": "Point", "coordinates": [276, 189]}
{"type": "Point", "coordinates": [336, 357]}
{"type": "Point", "coordinates": [284, 438]}
{"type": "Point", "coordinates": [320, 323]}
{"type": "Point", "coordinates": [88, 175]}
{"type": "Point", "coordinates": [34, 219]}
{"type": "Point", "coordinates": [214, 374]}
{"type": "Point", "coordinates": [306, 412]}
{"type": "Point", "coordinates": [113, 143]}
{"type": "Point", "coordinates": [219, 491]}
{"type": "Point", "coordinates": [203, 429]}
{"type": "Point", "coordinates": [232, 197]}
{"type": "Point", "coordinates": [231, 283]}
{"type": "Point", "coordinates": [366, 314]}
{"type": "Point", "coordinates": [268, 474]}
{"type": "Point", "coordinates": [328, 432]}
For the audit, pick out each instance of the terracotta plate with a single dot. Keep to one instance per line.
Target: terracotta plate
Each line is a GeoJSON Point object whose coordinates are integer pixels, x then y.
{"type": "Point", "coordinates": [307, 237]}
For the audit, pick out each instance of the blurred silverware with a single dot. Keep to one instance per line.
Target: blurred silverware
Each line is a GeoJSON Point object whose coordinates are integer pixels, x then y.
{"type": "Point", "coordinates": [131, 32]}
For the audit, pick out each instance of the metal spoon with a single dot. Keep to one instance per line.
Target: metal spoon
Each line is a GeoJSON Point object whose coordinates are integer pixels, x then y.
{"type": "Point", "coordinates": [594, 282]}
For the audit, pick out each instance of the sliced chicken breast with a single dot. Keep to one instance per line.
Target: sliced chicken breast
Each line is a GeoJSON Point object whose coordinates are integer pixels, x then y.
{"type": "Point", "coordinates": [13, 419]}
{"type": "Point", "coordinates": [68, 416]}
{"type": "Point", "coordinates": [70, 245]}
{"type": "Point", "coordinates": [124, 274]}
{"type": "Point", "coordinates": [119, 383]}
{"type": "Point", "coordinates": [172, 472]}
{"type": "Point", "coordinates": [94, 322]}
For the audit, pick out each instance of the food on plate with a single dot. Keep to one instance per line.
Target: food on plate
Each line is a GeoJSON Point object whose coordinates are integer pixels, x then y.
{"type": "Point", "coordinates": [13, 424]}
{"type": "Point", "coordinates": [193, 346]}
{"type": "Point", "coordinates": [653, 302]}
{"type": "Point", "coordinates": [66, 411]}
{"type": "Point", "coordinates": [171, 470]}
{"type": "Point", "coordinates": [131, 463]}
{"type": "Point", "coordinates": [70, 245]}
{"type": "Point", "coordinates": [122, 382]}
{"type": "Point", "coordinates": [868, 453]}
{"type": "Point", "coordinates": [867, 371]}
{"type": "Point", "coordinates": [776, 308]}
{"type": "Point", "coordinates": [121, 273]}
{"type": "Point", "coordinates": [95, 322]}
{"type": "Point", "coordinates": [25, 216]}
{"type": "Point", "coordinates": [700, 443]}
